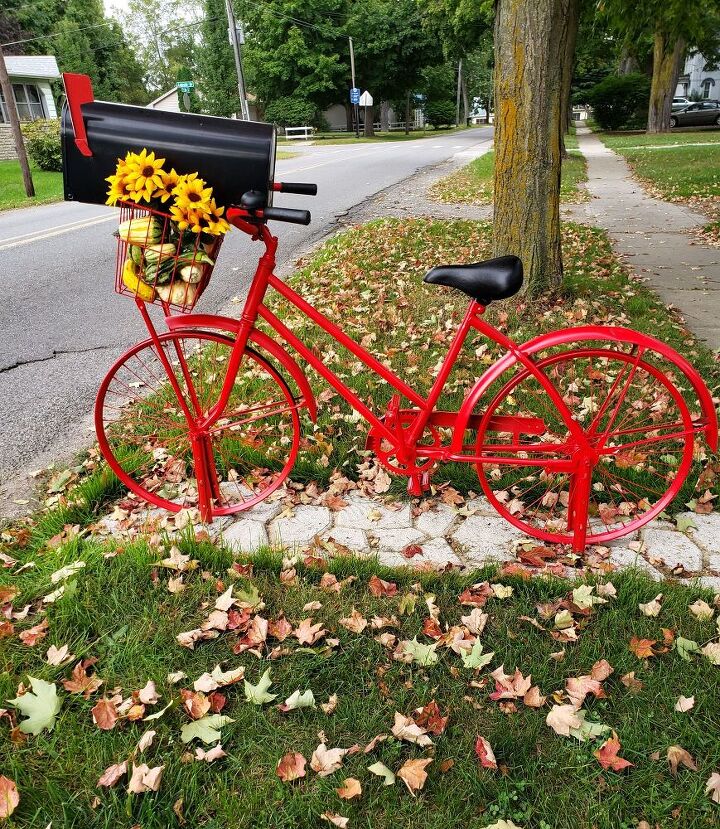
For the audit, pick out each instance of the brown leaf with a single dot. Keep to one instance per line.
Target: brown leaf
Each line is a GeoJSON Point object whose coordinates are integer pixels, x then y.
{"type": "Point", "coordinates": [145, 779]}
{"type": "Point", "coordinates": [291, 767]}
{"type": "Point", "coordinates": [485, 753]}
{"type": "Point", "coordinates": [82, 682]}
{"type": "Point", "coordinates": [477, 595]}
{"type": "Point", "coordinates": [677, 755]}
{"type": "Point", "coordinates": [326, 760]}
{"type": "Point", "coordinates": [7, 594]}
{"type": "Point", "coordinates": [350, 788]}
{"type": "Point", "coordinates": [413, 774]}
{"type": "Point", "coordinates": [405, 728]}
{"type": "Point", "coordinates": [112, 774]}
{"type": "Point", "coordinates": [579, 687]}
{"type": "Point", "coordinates": [378, 587]}
{"type": "Point", "coordinates": [307, 633]}
{"type": "Point", "coordinates": [533, 698]}
{"type": "Point", "coordinates": [355, 622]}
{"type": "Point", "coordinates": [429, 718]}
{"type": "Point", "coordinates": [279, 629]}
{"type": "Point", "coordinates": [607, 755]}
{"type": "Point", "coordinates": [195, 703]}
{"type": "Point", "coordinates": [601, 670]}
{"type": "Point", "coordinates": [330, 706]}
{"type": "Point", "coordinates": [35, 634]}
{"type": "Point", "coordinates": [412, 550]}
{"type": "Point", "coordinates": [9, 797]}
{"type": "Point", "coordinates": [7, 629]}
{"type": "Point", "coordinates": [105, 714]}
{"type": "Point", "coordinates": [336, 820]}
{"type": "Point", "coordinates": [712, 787]}
{"type": "Point", "coordinates": [642, 648]}
{"type": "Point", "coordinates": [631, 683]}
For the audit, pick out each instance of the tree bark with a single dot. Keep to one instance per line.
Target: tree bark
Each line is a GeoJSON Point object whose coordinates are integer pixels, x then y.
{"type": "Point", "coordinates": [465, 100]}
{"type": "Point", "coordinates": [572, 22]}
{"type": "Point", "coordinates": [384, 116]}
{"type": "Point", "coordinates": [528, 83]}
{"type": "Point", "coordinates": [628, 62]}
{"type": "Point", "coordinates": [407, 114]}
{"type": "Point", "coordinates": [369, 115]}
{"type": "Point", "coordinates": [668, 54]}
{"type": "Point", "coordinates": [349, 124]}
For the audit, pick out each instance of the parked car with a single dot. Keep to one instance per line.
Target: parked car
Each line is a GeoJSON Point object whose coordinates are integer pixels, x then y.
{"type": "Point", "coordinates": [680, 102]}
{"type": "Point", "coordinates": [701, 113]}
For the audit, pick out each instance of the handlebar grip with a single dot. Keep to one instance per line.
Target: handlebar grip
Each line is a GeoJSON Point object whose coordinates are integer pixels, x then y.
{"type": "Point", "coordinates": [296, 187]}
{"type": "Point", "coordinates": [286, 214]}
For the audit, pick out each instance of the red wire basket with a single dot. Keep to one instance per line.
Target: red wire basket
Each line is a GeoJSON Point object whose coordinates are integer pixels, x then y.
{"type": "Point", "coordinates": [160, 264]}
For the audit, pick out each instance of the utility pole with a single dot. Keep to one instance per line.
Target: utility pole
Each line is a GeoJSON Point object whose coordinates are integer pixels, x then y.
{"type": "Point", "coordinates": [12, 112]}
{"type": "Point", "coordinates": [232, 23]}
{"type": "Point", "coordinates": [352, 72]}
{"type": "Point", "coordinates": [457, 100]}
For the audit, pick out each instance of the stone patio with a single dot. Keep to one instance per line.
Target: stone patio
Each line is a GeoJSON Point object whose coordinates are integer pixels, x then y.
{"type": "Point", "coordinates": [399, 534]}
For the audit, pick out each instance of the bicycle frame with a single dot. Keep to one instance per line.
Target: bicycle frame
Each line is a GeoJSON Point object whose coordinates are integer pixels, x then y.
{"type": "Point", "coordinates": [403, 440]}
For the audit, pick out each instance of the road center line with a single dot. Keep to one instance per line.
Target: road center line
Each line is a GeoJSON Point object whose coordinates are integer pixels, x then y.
{"type": "Point", "coordinates": [57, 231]}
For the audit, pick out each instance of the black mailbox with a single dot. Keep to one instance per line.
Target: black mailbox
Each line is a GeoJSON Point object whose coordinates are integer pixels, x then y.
{"type": "Point", "coordinates": [232, 156]}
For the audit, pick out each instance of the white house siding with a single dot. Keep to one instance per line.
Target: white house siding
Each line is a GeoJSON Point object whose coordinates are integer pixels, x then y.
{"type": "Point", "coordinates": [38, 70]}
{"type": "Point", "coordinates": [696, 80]}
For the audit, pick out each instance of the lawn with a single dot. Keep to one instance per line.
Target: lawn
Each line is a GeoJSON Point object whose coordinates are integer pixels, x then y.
{"type": "Point", "coordinates": [48, 186]}
{"type": "Point", "coordinates": [473, 184]}
{"type": "Point", "coordinates": [120, 616]}
{"type": "Point", "coordinates": [395, 135]}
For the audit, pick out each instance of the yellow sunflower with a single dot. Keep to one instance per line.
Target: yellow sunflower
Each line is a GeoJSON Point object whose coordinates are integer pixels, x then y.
{"type": "Point", "coordinates": [213, 223]}
{"type": "Point", "coordinates": [191, 193]}
{"type": "Point", "coordinates": [119, 189]}
{"type": "Point", "coordinates": [187, 218]}
{"type": "Point", "coordinates": [144, 174]}
{"type": "Point", "coordinates": [170, 181]}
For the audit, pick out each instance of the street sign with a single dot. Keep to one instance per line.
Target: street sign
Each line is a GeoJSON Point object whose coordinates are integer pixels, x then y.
{"type": "Point", "coordinates": [186, 86]}
{"type": "Point", "coordinates": [354, 95]}
{"type": "Point", "coordinates": [366, 99]}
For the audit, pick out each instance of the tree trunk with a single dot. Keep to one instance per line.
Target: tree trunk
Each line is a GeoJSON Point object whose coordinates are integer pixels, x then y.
{"type": "Point", "coordinates": [528, 82]}
{"type": "Point", "coordinates": [350, 126]}
{"type": "Point", "coordinates": [572, 22]}
{"type": "Point", "coordinates": [668, 54]}
{"type": "Point", "coordinates": [384, 116]}
{"type": "Point", "coordinates": [465, 100]}
{"type": "Point", "coordinates": [407, 114]}
{"type": "Point", "coordinates": [369, 118]}
{"type": "Point", "coordinates": [628, 62]}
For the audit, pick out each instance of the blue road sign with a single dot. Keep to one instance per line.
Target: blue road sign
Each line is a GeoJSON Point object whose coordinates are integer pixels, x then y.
{"type": "Point", "coordinates": [186, 86]}
{"type": "Point", "coordinates": [354, 95]}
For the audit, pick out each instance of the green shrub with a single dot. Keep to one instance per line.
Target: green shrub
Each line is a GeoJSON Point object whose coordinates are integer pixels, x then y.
{"type": "Point", "coordinates": [620, 101]}
{"type": "Point", "coordinates": [42, 141]}
{"type": "Point", "coordinates": [290, 112]}
{"type": "Point", "coordinates": [440, 113]}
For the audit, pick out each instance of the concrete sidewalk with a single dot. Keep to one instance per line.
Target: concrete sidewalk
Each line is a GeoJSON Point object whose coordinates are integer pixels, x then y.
{"type": "Point", "coordinates": [652, 237]}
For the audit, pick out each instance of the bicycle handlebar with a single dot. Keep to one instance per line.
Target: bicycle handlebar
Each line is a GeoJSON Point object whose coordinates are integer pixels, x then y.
{"type": "Point", "coordinates": [285, 214]}
{"type": "Point", "coordinates": [295, 187]}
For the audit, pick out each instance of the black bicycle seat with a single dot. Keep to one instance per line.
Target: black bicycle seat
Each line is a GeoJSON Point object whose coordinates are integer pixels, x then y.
{"type": "Point", "coordinates": [486, 281]}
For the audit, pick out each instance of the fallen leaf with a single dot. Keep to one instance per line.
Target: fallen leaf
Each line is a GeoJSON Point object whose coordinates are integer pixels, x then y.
{"type": "Point", "coordinates": [326, 760]}
{"type": "Point", "coordinates": [298, 700]}
{"type": "Point", "coordinates": [413, 774]}
{"type": "Point", "coordinates": [350, 788]}
{"type": "Point", "coordinates": [405, 728]}
{"type": "Point", "coordinates": [579, 687]}
{"type": "Point", "coordinates": [291, 767]}
{"type": "Point", "coordinates": [676, 756]}
{"type": "Point", "coordinates": [218, 679]}
{"type": "Point", "coordinates": [329, 706]}
{"type": "Point", "coordinates": [381, 770]}
{"type": "Point", "coordinates": [9, 797]}
{"type": "Point", "coordinates": [429, 717]}
{"type": "Point", "coordinates": [146, 740]}
{"type": "Point", "coordinates": [652, 608]}
{"type": "Point", "coordinates": [148, 695]}
{"type": "Point", "coordinates": [475, 658]}
{"type": "Point", "coordinates": [41, 706]}
{"type": "Point", "coordinates": [410, 650]}
{"type": "Point", "coordinates": [336, 820]}
{"type": "Point", "coordinates": [35, 634]}
{"type": "Point", "coordinates": [355, 622]}
{"type": "Point", "coordinates": [485, 753]}
{"type": "Point", "coordinates": [257, 694]}
{"type": "Point", "coordinates": [601, 670]}
{"type": "Point", "coordinates": [631, 683]}
{"type": "Point", "coordinates": [378, 587]}
{"type": "Point", "coordinates": [82, 682]}
{"type": "Point", "coordinates": [503, 824]}
{"type": "Point", "coordinates": [607, 755]}
{"type": "Point", "coordinates": [206, 729]}
{"type": "Point", "coordinates": [105, 714]}
{"type": "Point", "coordinates": [712, 787]}
{"type": "Point", "coordinates": [56, 656]}
{"type": "Point", "coordinates": [561, 718]}
{"type": "Point", "coordinates": [533, 698]}
{"type": "Point", "coordinates": [701, 610]}
{"type": "Point", "coordinates": [501, 591]}
{"type": "Point", "coordinates": [195, 703]}
{"type": "Point", "coordinates": [66, 572]}
{"type": "Point", "coordinates": [712, 652]}
{"type": "Point", "coordinates": [215, 753]}
{"type": "Point", "coordinates": [642, 648]}
{"type": "Point", "coordinates": [145, 779]}
{"type": "Point", "coordinates": [307, 633]}
{"type": "Point", "coordinates": [684, 704]}
{"type": "Point", "coordinates": [112, 774]}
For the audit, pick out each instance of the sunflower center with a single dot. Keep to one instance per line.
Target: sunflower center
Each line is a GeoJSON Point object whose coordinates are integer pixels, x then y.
{"type": "Point", "coordinates": [193, 197]}
{"type": "Point", "coordinates": [148, 171]}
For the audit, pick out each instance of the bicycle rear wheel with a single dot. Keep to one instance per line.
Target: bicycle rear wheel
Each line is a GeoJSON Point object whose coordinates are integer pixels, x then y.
{"type": "Point", "coordinates": [152, 441]}
{"type": "Point", "coordinates": [634, 418]}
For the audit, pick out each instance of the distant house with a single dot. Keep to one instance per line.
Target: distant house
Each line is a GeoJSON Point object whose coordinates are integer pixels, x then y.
{"type": "Point", "coordinates": [699, 79]}
{"type": "Point", "coordinates": [30, 76]}
{"type": "Point", "coordinates": [169, 102]}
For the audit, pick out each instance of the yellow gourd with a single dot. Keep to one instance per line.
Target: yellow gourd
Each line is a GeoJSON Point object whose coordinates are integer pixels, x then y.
{"type": "Point", "coordinates": [132, 281]}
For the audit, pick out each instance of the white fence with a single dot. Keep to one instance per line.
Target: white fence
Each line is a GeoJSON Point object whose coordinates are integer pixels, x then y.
{"type": "Point", "coordinates": [299, 132]}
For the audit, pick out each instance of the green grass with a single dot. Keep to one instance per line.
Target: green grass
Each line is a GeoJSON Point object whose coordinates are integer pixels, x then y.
{"type": "Point", "coordinates": [473, 184]}
{"type": "Point", "coordinates": [121, 613]}
{"type": "Point", "coordinates": [48, 186]}
{"type": "Point", "coordinates": [674, 170]}
{"type": "Point", "coordinates": [395, 135]}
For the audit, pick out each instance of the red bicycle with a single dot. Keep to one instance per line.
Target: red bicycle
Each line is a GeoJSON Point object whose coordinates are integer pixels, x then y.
{"type": "Point", "coordinates": [578, 436]}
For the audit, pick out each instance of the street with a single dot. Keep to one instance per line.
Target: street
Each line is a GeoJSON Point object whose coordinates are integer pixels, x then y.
{"type": "Point", "coordinates": [62, 325]}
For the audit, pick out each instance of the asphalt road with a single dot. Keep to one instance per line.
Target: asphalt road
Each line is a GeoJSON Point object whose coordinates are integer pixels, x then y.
{"type": "Point", "coordinates": [61, 325]}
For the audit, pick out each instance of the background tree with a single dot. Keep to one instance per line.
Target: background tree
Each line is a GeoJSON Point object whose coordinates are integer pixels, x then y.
{"type": "Point", "coordinates": [35, 19]}
{"type": "Point", "coordinates": [164, 37]}
{"type": "Point", "coordinates": [675, 26]}
{"type": "Point", "coordinates": [528, 94]}
{"type": "Point", "coordinates": [216, 64]}
{"type": "Point", "coordinates": [297, 51]}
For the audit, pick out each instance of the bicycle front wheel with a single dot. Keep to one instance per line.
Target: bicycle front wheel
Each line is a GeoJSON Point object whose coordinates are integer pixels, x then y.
{"type": "Point", "coordinates": [632, 415]}
{"type": "Point", "coordinates": [146, 433]}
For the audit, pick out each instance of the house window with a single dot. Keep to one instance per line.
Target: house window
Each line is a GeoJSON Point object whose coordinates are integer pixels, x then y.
{"type": "Point", "coordinates": [706, 85]}
{"type": "Point", "coordinates": [29, 102]}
